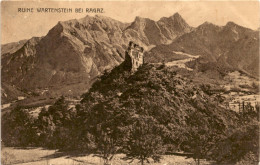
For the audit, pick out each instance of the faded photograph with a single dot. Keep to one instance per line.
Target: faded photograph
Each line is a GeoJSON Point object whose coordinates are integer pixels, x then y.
{"type": "Point", "coordinates": [130, 82]}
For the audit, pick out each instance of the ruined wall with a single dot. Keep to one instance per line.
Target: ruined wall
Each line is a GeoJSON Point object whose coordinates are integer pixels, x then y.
{"type": "Point", "coordinates": [135, 56]}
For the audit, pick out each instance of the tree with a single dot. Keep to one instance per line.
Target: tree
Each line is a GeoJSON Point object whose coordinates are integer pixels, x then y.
{"type": "Point", "coordinates": [201, 135]}
{"type": "Point", "coordinates": [107, 123]}
{"type": "Point", "coordinates": [249, 112]}
{"type": "Point", "coordinates": [55, 125]}
{"type": "Point", "coordinates": [236, 147]}
{"type": "Point", "coordinates": [144, 140]}
{"type": "Point", "coordinates": [18, 128]}
{"type": "Point", "coordinates": [200, 138]}
{"type": "Point", "coordinates": [46, 128]}
{"type": "Point", "coordinates": [241, 144]}
{"type": "Point", "coordinates": [106, 144]}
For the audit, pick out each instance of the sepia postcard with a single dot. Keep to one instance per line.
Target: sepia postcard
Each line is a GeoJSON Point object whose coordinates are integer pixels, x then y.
{"type": "Point", "coordinates": [130, 82]}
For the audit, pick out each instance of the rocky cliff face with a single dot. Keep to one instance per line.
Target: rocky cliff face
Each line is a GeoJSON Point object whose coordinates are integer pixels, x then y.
{"type": "Point", "coordinates": [74, 52]}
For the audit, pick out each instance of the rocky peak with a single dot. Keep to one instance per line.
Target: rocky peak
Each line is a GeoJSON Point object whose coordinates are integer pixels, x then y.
{"type": "Point", "coordinates": [140, 19]}
{"type": "Point", "coordinates": [231, 24]}
{"type": "Point", "coordinates": [55, 31]}
{"type": "Point", "coordinates": [173, 26]}
{"type": "Point", "coordinates": [106, 23]}
{"type": "Point", "coordinates": [236, 32]}
{"type": "Point", "coordinates": [180, 24]}
{"type": "Point", "coordinates": [209, 27]}
{"type": "Point", "coordinates": [140, 23]}
{"type": "Point", "coordinates": [175, 23]}
{"type": "Point", "coordinates": [207, 24]}
{"type": "Point", "coordinates": [178, 19]}
{"type": "Point", "coordinates": [177, 15]}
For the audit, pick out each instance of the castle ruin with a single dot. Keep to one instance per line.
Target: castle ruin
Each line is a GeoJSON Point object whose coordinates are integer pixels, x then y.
{"type": "Point", "coordinates": [134, 56]}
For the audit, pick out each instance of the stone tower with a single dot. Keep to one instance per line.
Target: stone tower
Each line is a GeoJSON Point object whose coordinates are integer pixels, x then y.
{"type": "Point", "coordinates": [134, 56]}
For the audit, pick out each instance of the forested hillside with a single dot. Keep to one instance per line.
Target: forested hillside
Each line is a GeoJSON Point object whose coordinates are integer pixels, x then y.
{"type": "Point", "coordinates": [144, 115]}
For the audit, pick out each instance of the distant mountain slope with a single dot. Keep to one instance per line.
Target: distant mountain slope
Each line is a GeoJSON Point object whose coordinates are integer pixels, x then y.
{"type": "Point", "coordinates": [163, 31]}
{"type": "Point", "coordinates": [69, 53]}
{"type": "Point", "coordinates": [233, 45]}
{"type": "Point", "coordinates": [12, 47]}
{"type": "Point", "coordinates": [10, 93]}
{"type": "Point", "coordinates": [173, 26]}
{"type": "Point", "coordinates": [74, 52]}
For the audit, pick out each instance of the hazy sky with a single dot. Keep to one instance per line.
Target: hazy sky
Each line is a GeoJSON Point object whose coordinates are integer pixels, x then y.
{"type": "Point", "coordinates": [16, 26]}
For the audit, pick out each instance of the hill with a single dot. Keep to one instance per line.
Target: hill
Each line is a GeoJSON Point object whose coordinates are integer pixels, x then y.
{"type": "Point", "coordinates": [171, 100]}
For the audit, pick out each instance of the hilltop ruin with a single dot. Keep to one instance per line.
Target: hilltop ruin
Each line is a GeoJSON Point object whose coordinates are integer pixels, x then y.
{"type": "Point", "coordinates": [134, 57]}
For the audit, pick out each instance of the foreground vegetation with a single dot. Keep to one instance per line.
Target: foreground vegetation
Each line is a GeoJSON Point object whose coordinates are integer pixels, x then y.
{"type": "Point", "coordinates": [142, 115]}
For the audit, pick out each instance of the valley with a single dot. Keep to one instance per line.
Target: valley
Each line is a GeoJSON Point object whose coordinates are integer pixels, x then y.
{"type": "Point", "coordinates": [182, 63]}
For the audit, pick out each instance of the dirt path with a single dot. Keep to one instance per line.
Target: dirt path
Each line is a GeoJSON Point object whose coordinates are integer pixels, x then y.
{"type": "Point", "coordinates": [39, 156]}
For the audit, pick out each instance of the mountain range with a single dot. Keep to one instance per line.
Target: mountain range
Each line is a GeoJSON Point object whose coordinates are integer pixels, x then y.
{"type": "Point", "coordinates": [70, 57]}
{"type": "Point", "coordinates": [231, 46]}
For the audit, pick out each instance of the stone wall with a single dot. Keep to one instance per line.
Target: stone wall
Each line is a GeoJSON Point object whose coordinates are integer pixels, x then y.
{"type": "Point", "coordinates": [135, 52]}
